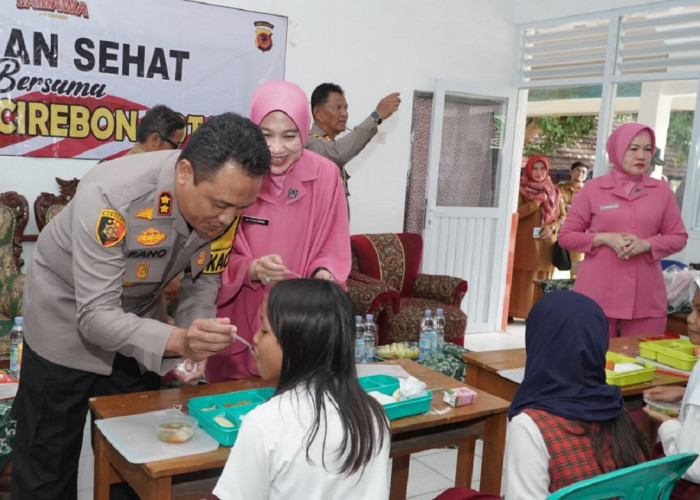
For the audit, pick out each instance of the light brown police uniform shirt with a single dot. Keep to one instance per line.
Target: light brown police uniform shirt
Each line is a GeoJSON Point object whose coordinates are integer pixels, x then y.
{"type": "Point", "coordinates": [345, 148]}
{"type": "Point", "coordinates": [94, 285]}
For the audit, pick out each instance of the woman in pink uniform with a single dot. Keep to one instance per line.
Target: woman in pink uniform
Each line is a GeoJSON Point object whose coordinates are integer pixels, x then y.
{"type": "Point", "coordinates": [298, 226]}
{"type": "Point", "coordinates": [626, 222]}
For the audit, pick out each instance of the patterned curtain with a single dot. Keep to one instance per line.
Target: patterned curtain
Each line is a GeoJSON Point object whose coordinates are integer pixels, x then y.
{"type": "Point", "coordinates": [468, 174]}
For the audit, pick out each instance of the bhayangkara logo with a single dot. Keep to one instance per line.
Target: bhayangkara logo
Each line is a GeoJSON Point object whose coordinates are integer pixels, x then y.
{"type": "Point", "coordinates": [263, 35]}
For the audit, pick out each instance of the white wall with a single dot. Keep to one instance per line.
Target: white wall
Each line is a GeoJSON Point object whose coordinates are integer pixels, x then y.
{"type": "Point", "coordinates": [370, 48]}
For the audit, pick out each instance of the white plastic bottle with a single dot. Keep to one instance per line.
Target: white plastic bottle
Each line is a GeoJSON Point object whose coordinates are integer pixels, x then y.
{"type": "Point", "coordinates": [359, 340]}
{"type": "Point", "coordinates": [370, 338]}
{"type": "Point", "coordinates": [425, 340]}
{"type": "Point", "coordinates": [16, 343]}
{"type": "Point", "coordinates": [440, 329]}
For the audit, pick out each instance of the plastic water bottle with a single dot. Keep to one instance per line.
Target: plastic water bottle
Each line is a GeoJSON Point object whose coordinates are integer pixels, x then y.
{"type": "Point", "coordinates": [16, 341]}
{"type": "Point", "coordinates": [360, 352]}
{"type": "Point", "coordinates": [425, 340]}
{"type": "Point", "coordinates": [370, 338]}
{"type": "Point", "coordinates": [440, 329]}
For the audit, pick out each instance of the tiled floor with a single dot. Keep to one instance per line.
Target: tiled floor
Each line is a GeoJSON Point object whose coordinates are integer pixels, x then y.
{"type": "Point", "coordinates": [430, 472]}
{"type": "Point", "coordinates": [433, 471]}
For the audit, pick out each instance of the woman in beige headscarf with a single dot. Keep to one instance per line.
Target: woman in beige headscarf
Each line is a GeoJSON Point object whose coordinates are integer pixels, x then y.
{"type": "Point", "coordinates": [540, 209]}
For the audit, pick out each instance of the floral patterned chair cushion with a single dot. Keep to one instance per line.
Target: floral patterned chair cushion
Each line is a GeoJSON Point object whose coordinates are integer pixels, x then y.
{"type": "Point", "coordinates": [393, 260]}
{"type": "Point", "coordinates": [14, 212]}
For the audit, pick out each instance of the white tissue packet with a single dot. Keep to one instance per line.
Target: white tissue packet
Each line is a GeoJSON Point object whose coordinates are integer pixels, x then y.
{"type": "Point", "coordinates": [410, 387]}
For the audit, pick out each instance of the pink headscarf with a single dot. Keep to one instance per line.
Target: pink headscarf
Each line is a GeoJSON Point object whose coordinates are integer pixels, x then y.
{"type": "Point", "coordinates": [280, 95]}
{"type": "Point", "coordinates": [544, 191]}
{"type": "Point", "coordinates": [620, 139]}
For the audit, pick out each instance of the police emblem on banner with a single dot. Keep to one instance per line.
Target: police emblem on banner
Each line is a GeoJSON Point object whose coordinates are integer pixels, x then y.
{"type": "Point", "coordinates": [263, 35]}
{"type": "Point", "coordinates": [165, 203]}
{"type": "Point", "coordinates": [142, 271]}
{"type": "Point", "coordinates": [110, 228]}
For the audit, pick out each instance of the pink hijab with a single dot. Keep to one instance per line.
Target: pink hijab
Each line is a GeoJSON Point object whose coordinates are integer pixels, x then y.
{"type": "Point", "coordinates": [617, 145]}
{"type": "Point", "coordinates": [544, 191]}
{"type": "Point", "coordinates": [620, 139]}
{"type": "Point", "coordinates": [280, 95]}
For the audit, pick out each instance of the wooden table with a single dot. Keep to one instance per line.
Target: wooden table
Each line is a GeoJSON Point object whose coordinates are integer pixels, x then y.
{"type": "Point", "coordinates": [486, 418]}
{"type": "Point", "coordinates": [483, 368]}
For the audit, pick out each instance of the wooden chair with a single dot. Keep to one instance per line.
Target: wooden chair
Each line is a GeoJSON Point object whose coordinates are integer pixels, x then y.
{"type": "Point", "coordinates": [14, 214]}
{"type": "Point", "coordinates": [48, 205]}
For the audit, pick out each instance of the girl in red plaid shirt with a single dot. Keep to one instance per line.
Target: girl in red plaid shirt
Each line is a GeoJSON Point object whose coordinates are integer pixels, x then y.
{"type": "Point", "coordinates": [566, 423]}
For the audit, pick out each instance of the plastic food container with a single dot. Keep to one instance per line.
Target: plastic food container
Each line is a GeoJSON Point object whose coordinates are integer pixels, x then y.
{"type": "Point", "coordinates": [678, 353]}
{"type": "Point", "coordinates": [175, 428]}
{"type": "Point", "coordinates": [645, 374]}
{"type": "Point", "coordinates": [388, 385]}
{"type": "Point", "coordinates": [221, 415]}
{"type": "Point", "coordinates": [670, 408]}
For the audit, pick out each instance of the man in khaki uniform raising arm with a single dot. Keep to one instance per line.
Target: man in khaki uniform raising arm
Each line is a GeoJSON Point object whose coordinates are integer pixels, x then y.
{"type": "Point", "coordinates": [330, 112]}
{"type": "Point", "coordinates": [92, 296]}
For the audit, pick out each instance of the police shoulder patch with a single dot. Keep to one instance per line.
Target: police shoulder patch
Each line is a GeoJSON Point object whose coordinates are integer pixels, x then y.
{"type": "Point", "coordinates": [110, 228]}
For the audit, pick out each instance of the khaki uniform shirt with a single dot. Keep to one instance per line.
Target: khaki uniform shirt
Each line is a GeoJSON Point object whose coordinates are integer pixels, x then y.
{"type": "Point", "coordinates": [94, 285]}
{"type": "Point", "coordinates": [343, 149]}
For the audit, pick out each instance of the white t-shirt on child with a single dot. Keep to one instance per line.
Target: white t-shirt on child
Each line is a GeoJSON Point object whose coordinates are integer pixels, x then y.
{"type": "Point", "coordinates": [268, 459]}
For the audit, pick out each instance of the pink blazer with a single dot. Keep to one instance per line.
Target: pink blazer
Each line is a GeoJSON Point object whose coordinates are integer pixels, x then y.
{"type": "Point", "coordinates": [633, 288]}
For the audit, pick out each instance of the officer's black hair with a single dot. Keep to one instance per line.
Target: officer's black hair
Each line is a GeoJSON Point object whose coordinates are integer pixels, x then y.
{"type": "Point", "coordinates": [223, 139]}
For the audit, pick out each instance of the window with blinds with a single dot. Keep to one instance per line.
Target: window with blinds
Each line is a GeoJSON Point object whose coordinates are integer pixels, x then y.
{"type": "Point", "coordinates": [562, 53]}
{"type": "Point", "coordinates": [666, 42]}
{"type": "Point", "coordinates": [635, 45]}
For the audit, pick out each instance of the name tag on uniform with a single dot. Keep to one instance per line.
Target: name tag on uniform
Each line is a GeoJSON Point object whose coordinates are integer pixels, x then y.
{"type": "Point", "coordinates": [612, 206]}
{"type": "Point", "coordinates": [255, 220]}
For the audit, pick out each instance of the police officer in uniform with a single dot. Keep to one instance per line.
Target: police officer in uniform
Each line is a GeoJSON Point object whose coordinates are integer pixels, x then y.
{"type": "Point", "coordinates": [330, 112]}
{"type": "Point", "coordinates": [92, 297]}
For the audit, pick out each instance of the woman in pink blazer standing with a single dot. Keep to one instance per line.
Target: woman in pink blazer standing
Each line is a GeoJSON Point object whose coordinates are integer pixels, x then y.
{"type": "Point", "coordinates": [626, 222]}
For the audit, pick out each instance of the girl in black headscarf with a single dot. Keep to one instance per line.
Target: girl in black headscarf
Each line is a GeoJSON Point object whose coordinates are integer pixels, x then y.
{"type": "Point", "coordinates": [566, 423]}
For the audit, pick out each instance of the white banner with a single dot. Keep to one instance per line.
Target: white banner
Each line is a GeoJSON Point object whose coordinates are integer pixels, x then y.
{"type": "Point", "coordinates": [75, 76]}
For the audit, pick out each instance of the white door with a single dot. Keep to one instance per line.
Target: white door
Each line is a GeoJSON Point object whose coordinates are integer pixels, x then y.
{"type": "Point", "coordinates": [466, 219]}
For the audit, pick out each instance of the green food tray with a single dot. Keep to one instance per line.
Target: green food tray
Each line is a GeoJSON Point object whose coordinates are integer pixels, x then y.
{"type": "Point", "coordinates": [233, 406]}
{"type": "Point", "coordinates": [388, 385]}
{"type": "Point", "coordinates": [385, 384]}
{"type": "Point", "coordinates": [677, 353]}
{"type": "Point", "coordinates": [646, 374]}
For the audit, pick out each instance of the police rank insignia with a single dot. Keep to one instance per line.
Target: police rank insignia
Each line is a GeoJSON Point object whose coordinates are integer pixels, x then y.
{"type": "Point", "coordinates": [165, 203]}
{"type": "Point", "coordinates": [142, 271]}
{"type": "Point", "coordinates": [146, 213]}
{"type": "Point", "coordinates": [110, 228]}
{"type": "Point", "coordinates": [151, 237]}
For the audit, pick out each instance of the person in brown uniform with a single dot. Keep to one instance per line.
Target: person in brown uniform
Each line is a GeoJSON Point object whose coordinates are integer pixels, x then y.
{"type": "Point", "coordinates": [540, 211]}
{"type": "Point", "coordinates": [568, 189]}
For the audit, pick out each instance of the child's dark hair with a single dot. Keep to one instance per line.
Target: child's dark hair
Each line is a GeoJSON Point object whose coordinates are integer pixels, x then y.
{"type": "Point", "coordinates": [314, 325]}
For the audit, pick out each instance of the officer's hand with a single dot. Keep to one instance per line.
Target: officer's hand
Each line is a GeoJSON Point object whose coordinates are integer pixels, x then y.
{"type": "Point", "coordinates": [388, 105]}
{"type": "Point", "coordinates": [206, 337]}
